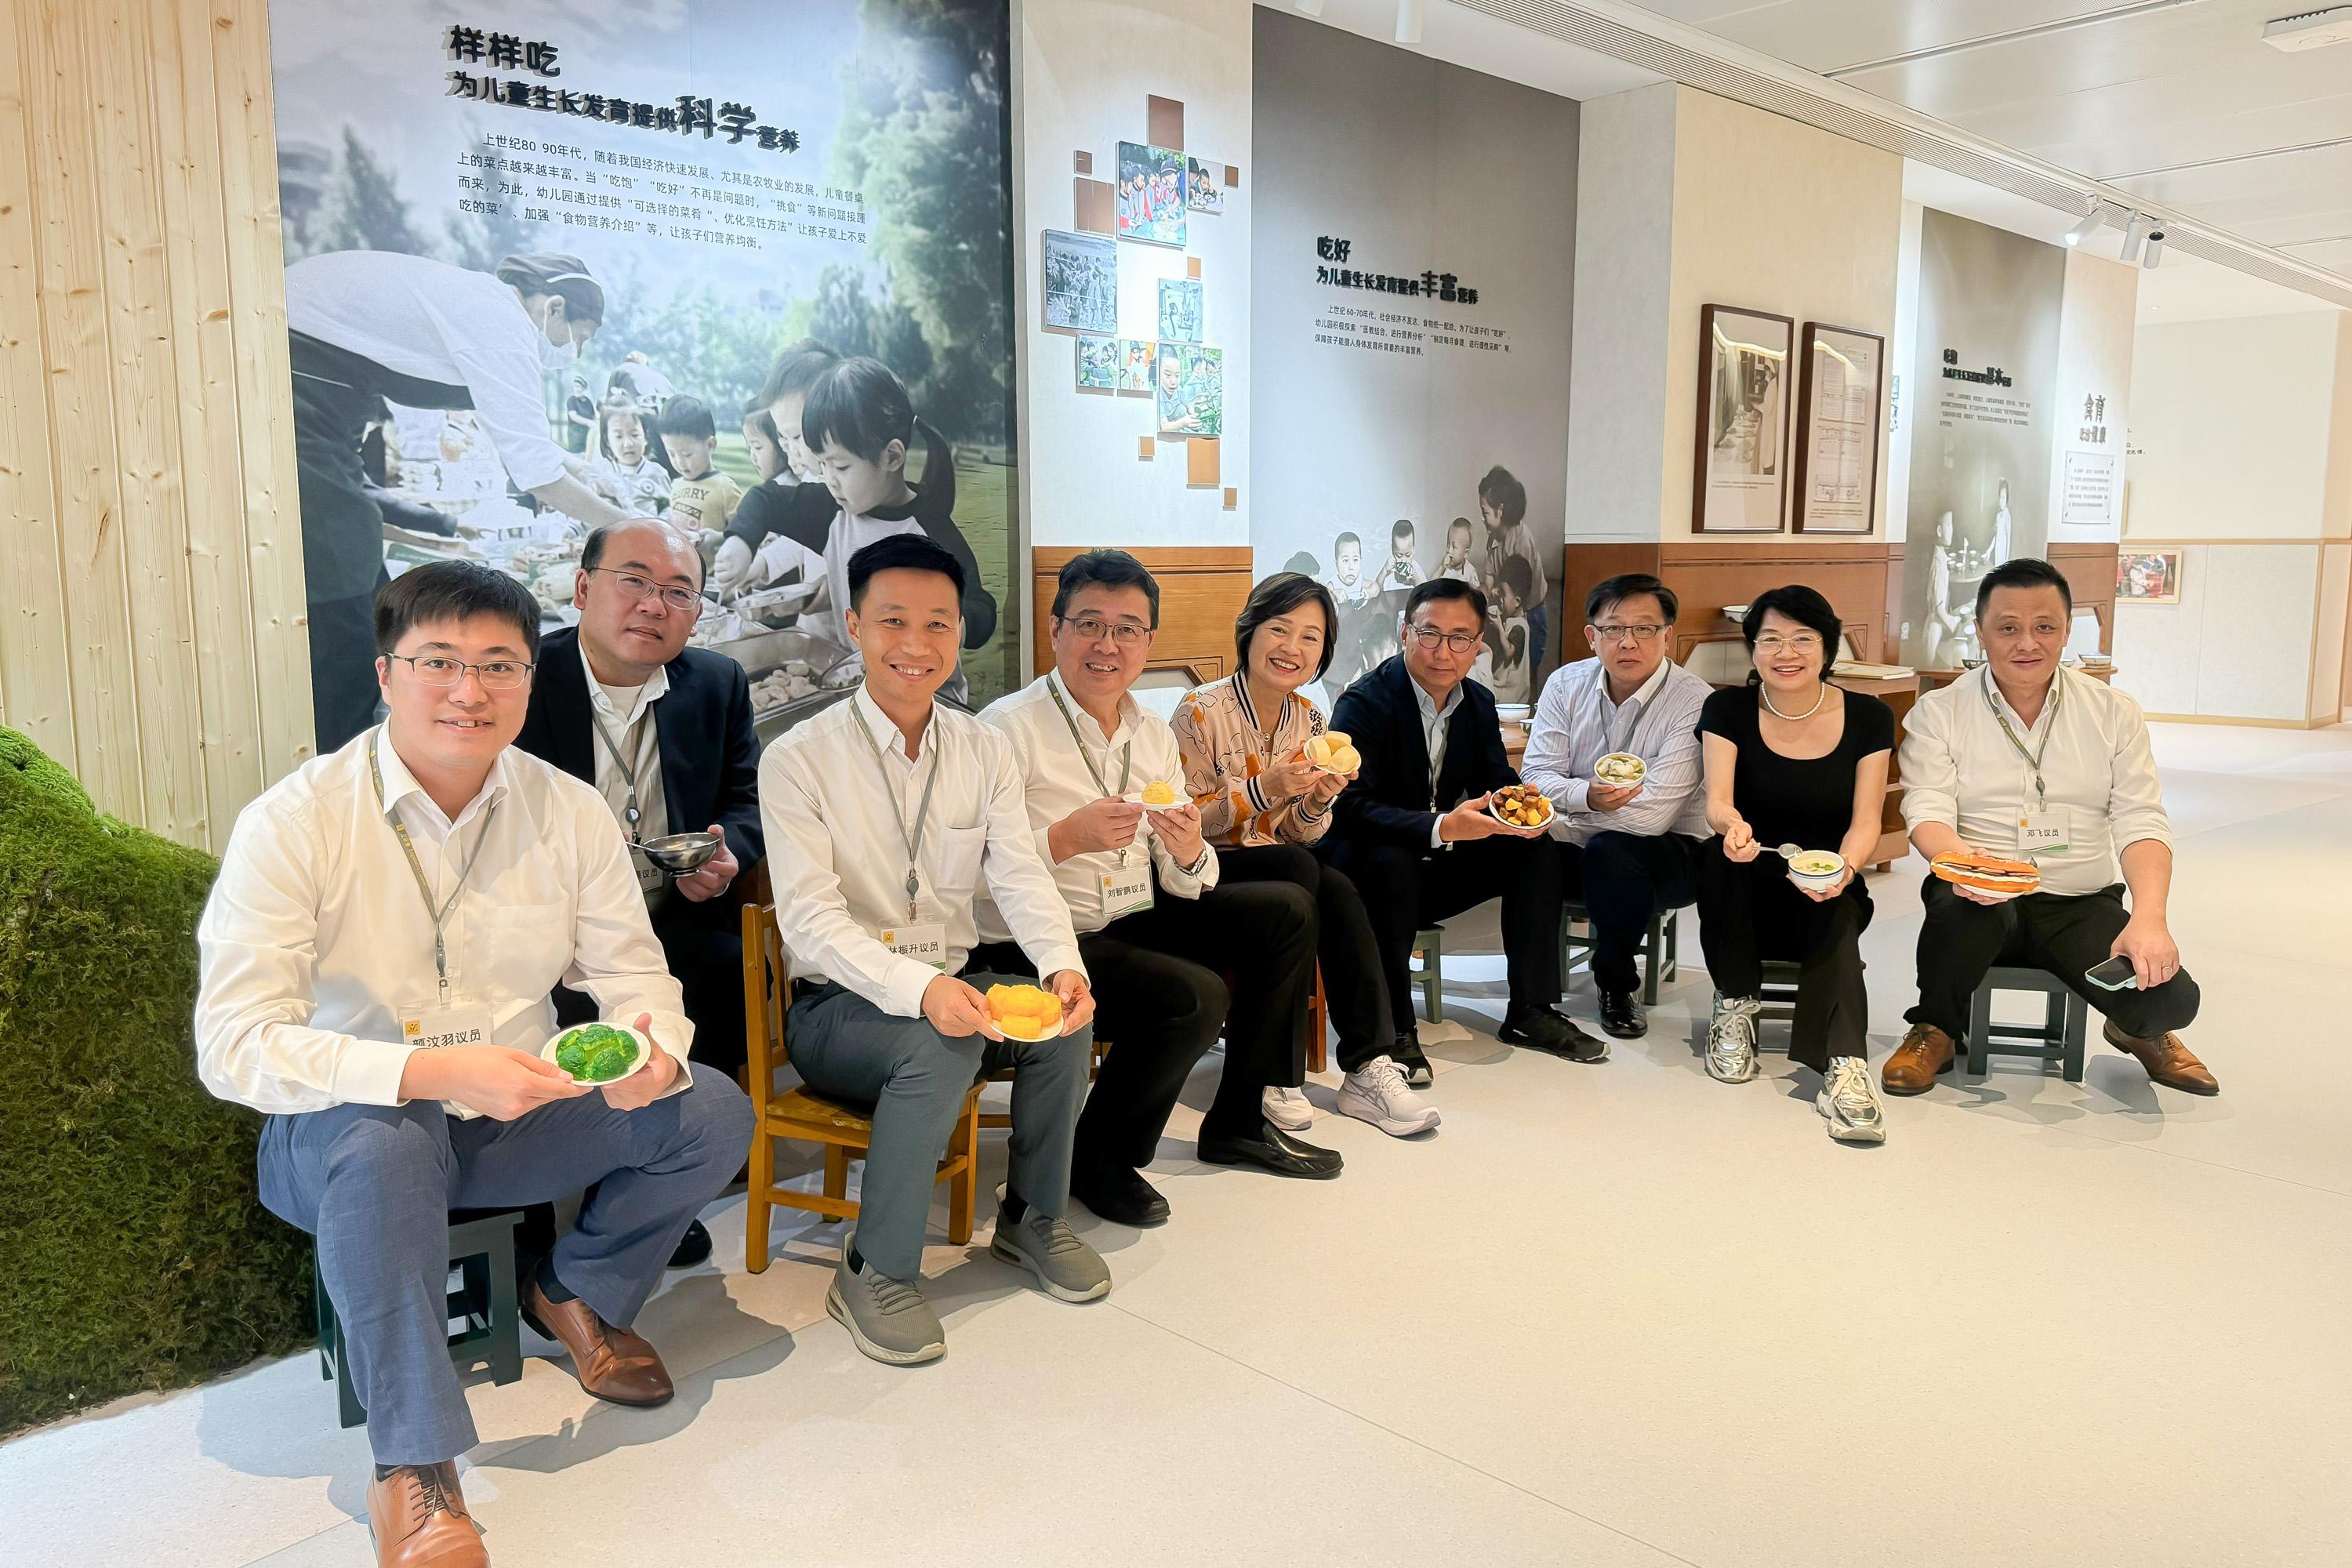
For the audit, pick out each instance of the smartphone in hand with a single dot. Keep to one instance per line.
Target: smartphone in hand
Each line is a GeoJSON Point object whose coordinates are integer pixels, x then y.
{"type": "Point", "coordinates": [2115, 974]}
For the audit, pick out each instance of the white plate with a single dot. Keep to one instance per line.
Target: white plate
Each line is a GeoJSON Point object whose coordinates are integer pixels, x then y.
{"type": "Point", "coordinates": [1539, 827]}
{"type": "Point", "coordinates": [1986, 894]}
{"type": "Point", "coordinates": [1135, 797]}
{"type": "Point", "coordinates": [645, 1050]}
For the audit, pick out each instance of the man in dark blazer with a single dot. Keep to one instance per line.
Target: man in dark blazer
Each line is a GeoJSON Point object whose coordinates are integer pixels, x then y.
{"type": "Point", "coordinates": [1416, 836]}
{"type": "Point", "coordinates": [664, 732]}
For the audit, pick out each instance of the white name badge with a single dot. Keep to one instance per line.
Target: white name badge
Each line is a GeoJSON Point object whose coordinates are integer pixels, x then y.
{"type": "Point", "coordinates": [434, 1029]}
{"type": "Point", "coordinates": [925, 943]}
{"type": "Point", "coordinates": [1126, 890]}
{"type": "Point", "coordinates": [2044, 832]}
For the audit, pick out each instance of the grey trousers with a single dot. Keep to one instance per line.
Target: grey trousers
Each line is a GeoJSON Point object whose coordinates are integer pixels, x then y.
{"type": "Point", "coordinates": [916, 1079]}
{"type": "Point", "coordinates": [375, 1184]}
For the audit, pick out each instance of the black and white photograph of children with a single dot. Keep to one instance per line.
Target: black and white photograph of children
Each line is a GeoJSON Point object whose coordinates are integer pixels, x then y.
{"type": "Point", "coordinates": [1081, 282]}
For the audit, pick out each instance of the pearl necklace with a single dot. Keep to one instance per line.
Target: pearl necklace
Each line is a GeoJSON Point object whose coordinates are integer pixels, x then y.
{"type": "Point", "coordinates": [1796, 718]}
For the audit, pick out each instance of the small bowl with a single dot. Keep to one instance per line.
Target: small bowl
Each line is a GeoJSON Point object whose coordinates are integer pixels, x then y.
{"type": "Point", "coordinates": [1818, 881]}
{"type": "Point", "coordinates": [1734, 614]}
{"type": "Point", "coordinates": [1641, 770]}
{"type": "Point", "coordinates": [681, 853]}
{"type": "Point", "coordinates": [645, 1050]}
{"type": "Point", "coordinates": [1514, 712]}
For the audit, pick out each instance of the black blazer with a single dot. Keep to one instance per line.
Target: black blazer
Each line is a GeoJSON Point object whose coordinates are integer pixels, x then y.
{"type": "Point", "coordinates": [709, 753]}
{"type": "Point", "coordinates": [1389, 800]}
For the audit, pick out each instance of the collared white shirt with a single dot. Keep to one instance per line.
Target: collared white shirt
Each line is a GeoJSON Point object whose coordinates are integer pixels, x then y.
{"type": "Point", "coordinates": [1055, 781]}
{"type": "Point", "coordinates": [1959, 769]}
{"type": "Point", "coordinates": [1433, 724]}
{"type": "Point", "coordinates": [626, 713]}
{"type": "Point", "coordinates": [1576, 725]}
{"type": "Point", "coordinates": [837, 856]}
{"type": "Point", "coordinates": [315, 938]}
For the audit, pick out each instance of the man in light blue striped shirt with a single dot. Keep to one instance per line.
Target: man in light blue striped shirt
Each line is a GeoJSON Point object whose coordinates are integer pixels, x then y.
{"type": "Point", "coordinates": [1627, 850]}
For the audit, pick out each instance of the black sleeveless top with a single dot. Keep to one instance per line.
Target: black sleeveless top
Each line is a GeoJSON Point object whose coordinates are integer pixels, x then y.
{"type": "Point", "coordinates": [1807, 802]}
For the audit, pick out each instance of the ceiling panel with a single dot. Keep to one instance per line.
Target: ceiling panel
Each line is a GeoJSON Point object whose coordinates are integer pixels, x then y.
{"type": "Point", "coordinates": [1822, 35]}
{"type": "Point", "coordinates": [2302, 195]}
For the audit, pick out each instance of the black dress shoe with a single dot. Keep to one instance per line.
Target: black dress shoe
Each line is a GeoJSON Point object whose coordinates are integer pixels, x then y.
{"type": "Point", "coordinates": [693, 1247]}
{"type": "Point", "coordinates": [1415, 1066]}
{"type": "Point", "coordinates": [1623, 1017]}
{"type": "Point", "coordinates": [1544, 1030]}
{"type": "Point", "coordinates": [1270, 1149]}
{"type": "Point", "coordinates": [1121, 1197]}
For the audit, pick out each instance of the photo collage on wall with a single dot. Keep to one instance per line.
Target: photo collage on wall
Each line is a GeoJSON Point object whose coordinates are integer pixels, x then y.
{"type": "Point", "coordinates": [1156, 191]}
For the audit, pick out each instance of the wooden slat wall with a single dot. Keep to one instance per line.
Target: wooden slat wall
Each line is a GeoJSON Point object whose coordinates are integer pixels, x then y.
{"type": "Point", "coordinates": [153, 635]}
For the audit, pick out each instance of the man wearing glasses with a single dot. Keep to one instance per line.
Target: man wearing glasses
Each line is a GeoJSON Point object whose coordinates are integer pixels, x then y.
{"type": "Point", "coordinates": [375, 961]}
{"type": "Point", "coordinates": [1628, 847]}
{"type": "Point", "coordinates": [1416, 835]}
{"type": "Point", "coordinates": [664, 732]}
{"type": "Point", "coordinates": [1157, 932]}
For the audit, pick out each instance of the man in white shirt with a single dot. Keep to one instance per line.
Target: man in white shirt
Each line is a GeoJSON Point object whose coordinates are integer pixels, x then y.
{"type": "Point", "coordinates": [376, 960]}
{"type": "Point", "coordinates": [1628, 852]}
{"type": "Point", "coordinates": [1156, 930]}
{"type": "Point", "coordinates": [886, 815]}
{"type": "Point", "coordinates": [2028, 761]}
{"type": "Point", "coordinates": [664, 733]}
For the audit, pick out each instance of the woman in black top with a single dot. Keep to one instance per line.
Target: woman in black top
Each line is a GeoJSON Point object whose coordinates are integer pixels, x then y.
{"type": "Point", "coordinates": [1792, 760]}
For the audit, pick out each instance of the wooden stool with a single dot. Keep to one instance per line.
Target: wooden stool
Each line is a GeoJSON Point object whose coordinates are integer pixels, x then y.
{"type": "Point", "coordinates": [1779, 993]}
{"type": "Point", "coordinates": [481, 1248]}
{"type": "Point", "coordinates": [1428, 946]}
{"type": "Point", "coordinates": [1658, 950]}
{"type": "Point", "coordinates": [2066, 1020]}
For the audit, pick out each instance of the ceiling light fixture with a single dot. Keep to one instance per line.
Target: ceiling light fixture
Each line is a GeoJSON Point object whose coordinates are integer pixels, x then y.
{"type": "Point", "coordinates": [2133, 232]}
{"type": "Point", "coordinates": [1409, 18]}
{"type": "Point", "coordinates": [1308, 8]}
{"type": "Point", "coordinates": [2090, 225]}
{"type": "Point", "coordinates": [2310, 29]}
{"type": "Point", "coordinates": [2154, 251]}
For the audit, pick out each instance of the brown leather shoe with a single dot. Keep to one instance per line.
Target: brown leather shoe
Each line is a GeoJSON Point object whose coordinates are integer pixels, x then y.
{"type": "Point", "coordinates": [418, 1517]}
{"type": "Point", "coordinates": [1925, 1052]}
{"type": "Point", "coordinates": [2167, 1061]}
{"type": "Point", "coordinates": [610, 1364]}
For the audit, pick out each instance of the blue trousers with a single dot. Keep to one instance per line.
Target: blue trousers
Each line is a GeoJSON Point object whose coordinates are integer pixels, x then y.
{"type": "Point", "coordinates": [375, 1184]}
{"type": "Point", "coordinates": [916, 1079]}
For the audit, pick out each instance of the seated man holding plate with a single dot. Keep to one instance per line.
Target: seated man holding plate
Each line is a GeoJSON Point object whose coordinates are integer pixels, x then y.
{"type": "Point", "coordinates": [376, 961]}
{"type": "Point", "coordinates": [1105, 783]}
{"type": "Point", "coordinates": [2027, 763]}
{"type": "Point", "coordinates": [886, 817]}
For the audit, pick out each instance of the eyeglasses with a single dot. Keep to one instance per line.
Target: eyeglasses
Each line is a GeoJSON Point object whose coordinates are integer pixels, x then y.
{"type": "Point", "coordinates": [1802, 642]}
{"type": "Point", "coordinates": [1621, 634]}
{"type": "Point", "coordinates": [1126, 634]}
{"type": "Point", "coordinates": [433, 670]}
{"type": "Point", "coordinates": [1430, 637]}
{"type": "Point", "coordinates": [637, 587]}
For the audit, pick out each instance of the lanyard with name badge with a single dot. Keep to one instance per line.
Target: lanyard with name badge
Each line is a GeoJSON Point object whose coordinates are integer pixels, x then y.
{"type": "Point", "coordinates": [2041, 830]}
{"type": "Point", "coordinates": [650, 877]}
{"type": "Point", "coordinates": [925, 943]}
{"type": "Point", "coordinates": [445, 1024]}
{"type": "Point", "coordinates": [1123, 891]}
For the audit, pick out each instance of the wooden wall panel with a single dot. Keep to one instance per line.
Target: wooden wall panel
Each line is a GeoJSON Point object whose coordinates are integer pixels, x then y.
{"type": "Point", "coordinates": [154, 640]}
{"type": "Point", "coordinates": [1201, 591]}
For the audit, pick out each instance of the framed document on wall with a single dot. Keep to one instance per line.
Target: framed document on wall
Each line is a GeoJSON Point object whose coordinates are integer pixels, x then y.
{"type": "Point", "coordinates": [1740, 480]}
{"type": "Point", "coordinates": [1840, 374]}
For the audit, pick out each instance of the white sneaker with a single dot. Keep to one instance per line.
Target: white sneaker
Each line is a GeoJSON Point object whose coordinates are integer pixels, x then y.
{"type": "Point", "coordinates": [1376, 1092]}
{"type": "Point", "coordinates": [1731, 1039]}
{"type": "Point", "coordinates": [1850, 1101]}
{"type": "Point", "coordinates": [1289, 1109]}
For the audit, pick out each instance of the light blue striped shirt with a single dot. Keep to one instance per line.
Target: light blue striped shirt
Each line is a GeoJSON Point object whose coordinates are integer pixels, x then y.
{"type": "Point", "coordinates": [1576, 725]}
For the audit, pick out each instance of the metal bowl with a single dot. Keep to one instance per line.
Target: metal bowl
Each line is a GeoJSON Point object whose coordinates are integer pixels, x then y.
{"type": "Point", "coordinates": [680, 853]}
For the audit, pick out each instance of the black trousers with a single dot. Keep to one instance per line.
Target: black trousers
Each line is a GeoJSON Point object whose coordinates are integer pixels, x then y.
{"type": "Point", "coordinates": [1405, 888]}
{"type": "Point", "coordinates": [2063, 933]}
{"type": "Point", "coordinates": [706, 959]}
{"type": "Point", "coordinates": [1752, 912]}
{"type": "Point", "coordinates": [1162, 999]}
{"type": "Point", "coordinates": [1352, 987]}
{"type": "Point", "coordinates": [1624, 879]}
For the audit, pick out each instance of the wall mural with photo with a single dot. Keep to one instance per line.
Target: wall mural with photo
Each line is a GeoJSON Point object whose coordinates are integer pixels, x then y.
{"type": "Point", "coordinates": [542, 259]}
{"type": "Point", "coordinates": [1986, 375]}
{"type": "Point", "coordinates": [1411, 282]}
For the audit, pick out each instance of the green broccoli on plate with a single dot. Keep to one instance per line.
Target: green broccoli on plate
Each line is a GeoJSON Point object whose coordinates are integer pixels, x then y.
{"type": "Point", "coordinates": [595, 1053]}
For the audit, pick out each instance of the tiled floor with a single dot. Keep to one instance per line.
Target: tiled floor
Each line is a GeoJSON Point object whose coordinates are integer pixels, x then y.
{"type": "Point", "coordinates": [1606, 1315]}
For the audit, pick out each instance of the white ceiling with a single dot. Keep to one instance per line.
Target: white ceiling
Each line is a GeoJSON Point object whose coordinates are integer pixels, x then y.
{"type": "Point", "coordinates": [2152, 98]}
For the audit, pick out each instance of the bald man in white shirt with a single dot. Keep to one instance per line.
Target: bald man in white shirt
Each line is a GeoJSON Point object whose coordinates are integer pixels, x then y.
{"type": "Point", "coordinates": [2025, 760]}
{"type": "Point", "coordinates": [376, 960]}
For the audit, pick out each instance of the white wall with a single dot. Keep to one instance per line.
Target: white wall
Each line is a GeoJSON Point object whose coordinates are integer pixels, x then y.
{"type": "Point", "coordinates": [1082, 72]}
{"type": "Point", "coordinates": [2231, 427]}
{"type": "Point", "coordinates": [2095, 361]}
{"type": "Point", "coordinates": [1902, 380]}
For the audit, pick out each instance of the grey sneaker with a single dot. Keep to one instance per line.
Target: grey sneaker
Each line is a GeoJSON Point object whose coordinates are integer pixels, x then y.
{"type": "Point", "coordinates": [1850, 1103]}
{"type": "Point", "coordinates": [1376, 1093]}
{"type": "Point", "coordinates": [888, 1318]}
{"type": "Point", "coordinates": [1731, 1039]}
{"type": "Point", "coordinates": [1067, 1269]}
